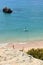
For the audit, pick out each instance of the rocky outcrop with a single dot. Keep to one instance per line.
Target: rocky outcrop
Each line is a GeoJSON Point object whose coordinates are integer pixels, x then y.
{"type": "Point", "coordinates": [12, 56]}
{"type": "Point", "coordinates": [7, 10]}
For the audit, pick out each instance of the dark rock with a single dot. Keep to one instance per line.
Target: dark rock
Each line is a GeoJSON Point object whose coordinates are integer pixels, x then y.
{"type": "Point", "coordinates": [7, 10]}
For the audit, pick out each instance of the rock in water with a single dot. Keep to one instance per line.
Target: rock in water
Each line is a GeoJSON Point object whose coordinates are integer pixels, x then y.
{"type": "Point", "coordinates": [7, 10]}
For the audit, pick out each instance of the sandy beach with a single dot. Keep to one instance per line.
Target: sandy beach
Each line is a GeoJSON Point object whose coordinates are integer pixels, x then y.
{"type": "Point", "coordinates": [10, 53]}
{"type": "Point", "coordinates": [21, 32]}
{"type": "Point", "coordinates": [26, 45]}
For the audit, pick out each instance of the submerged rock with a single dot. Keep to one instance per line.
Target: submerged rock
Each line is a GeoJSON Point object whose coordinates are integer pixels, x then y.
{"type": "Point", "coordinates": [7, 10]}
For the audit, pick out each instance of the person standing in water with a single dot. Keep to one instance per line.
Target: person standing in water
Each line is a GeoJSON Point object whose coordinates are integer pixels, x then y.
{"type": "Point", "coordinates": [26, 29]}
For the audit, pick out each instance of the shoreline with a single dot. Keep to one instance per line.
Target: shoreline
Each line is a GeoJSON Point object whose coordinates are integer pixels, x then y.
{"type": "Point", "coordinates": [23, 45]}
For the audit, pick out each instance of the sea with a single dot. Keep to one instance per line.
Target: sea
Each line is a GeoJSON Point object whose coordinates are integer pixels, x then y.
{"type": "Point", "coordinates": [25, 23]}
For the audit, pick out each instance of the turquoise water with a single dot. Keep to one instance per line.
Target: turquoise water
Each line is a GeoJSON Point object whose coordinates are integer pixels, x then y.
{"type": "Point", "coordinates": [26, 13]}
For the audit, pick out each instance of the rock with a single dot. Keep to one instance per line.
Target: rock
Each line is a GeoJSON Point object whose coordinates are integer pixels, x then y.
{"type": "Point", "coordinates": [10, 56]}
{"type": "Point", "coordinates": [7, 10]}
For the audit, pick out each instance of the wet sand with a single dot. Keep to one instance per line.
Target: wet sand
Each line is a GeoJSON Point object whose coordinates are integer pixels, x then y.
{"type": "Point", "coordinates": [26, 45]}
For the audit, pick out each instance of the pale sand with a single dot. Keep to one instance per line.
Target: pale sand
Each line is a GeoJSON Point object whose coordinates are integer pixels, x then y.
{"type": "Point", "coordinates": [26, 45]}
{"type": "Point", "coordinates": [7, 53]}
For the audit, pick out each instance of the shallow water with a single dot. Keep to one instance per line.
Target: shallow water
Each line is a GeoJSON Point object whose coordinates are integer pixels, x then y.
{"type": "Point", "coordinates": [25, 23]}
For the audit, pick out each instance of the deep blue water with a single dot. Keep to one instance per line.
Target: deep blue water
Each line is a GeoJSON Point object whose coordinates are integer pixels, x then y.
{"type": "Point", "coordinates": [26, 14]}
